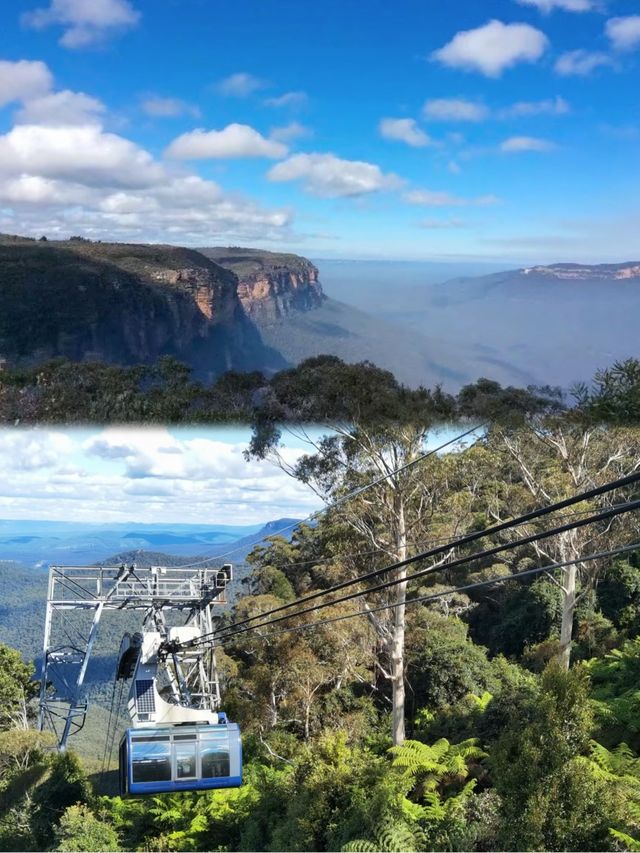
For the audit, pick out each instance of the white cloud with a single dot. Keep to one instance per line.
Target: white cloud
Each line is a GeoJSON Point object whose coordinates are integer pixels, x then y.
{"type": "Point", "coordinates": [551, 106]}
{"type": "Point", "coordinates": [60, 109]}
{"type": "Point", "coordinates": [289, 99]}
{"type": "Point", "coordinates": [32, 450]}
{"type": "Point", "coordinates": [580, 63]}
{"type": "Point", "coordinates": [290, 132]}
{"type": "Point", "coordinates": [442, 198]}
{"type": "Point", "coordinates": [235, 140]}
{"type": "Point", "coordinates": [84, 155]}
{"type": "Point", "coordinates": [526, 143]}
{"type": "Point", "coordinates": [85, 22]}
{"type": "Point", "coordinates": [329, 176]}
{"type": "Point", "coordinates": [492, 48]}
{"type": "Point", "coordinates": [22, 80]}
{"type": "Point", "coordinates": [35, 190]}
{"type": "Point", "coordinates": [453, 167]}
{"type": "Point", "coordinates": [624, 33]}
{"type": "Point", "coordinates": [80, 179]}
{"type": "Point", "coordinates": [566, 5]}
{"type": "Point", "coordinates": [143, 475]}
{"type": "Point", "coordinates": [159, 107]}
{"type": "Point", "coordinates": [240, 85]}
{"type": "Point", "coordinates": [454, 109]}
{"type": "Point", "coordinates": [404, 130]}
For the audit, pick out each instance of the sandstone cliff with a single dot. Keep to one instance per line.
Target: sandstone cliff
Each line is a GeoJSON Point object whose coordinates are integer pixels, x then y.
{"type": "Point", "coordinates": [586, 272]}
{"type": "Point", "coordinates": [271, 285]}
{"type": "Point", "coordinates": [125, 304]}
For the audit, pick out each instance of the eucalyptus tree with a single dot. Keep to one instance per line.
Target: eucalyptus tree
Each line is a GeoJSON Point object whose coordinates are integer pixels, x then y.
{"type": "Point", "coordinates": [553, 458]}
{"type": "Point", "coordinates": [405, 506]}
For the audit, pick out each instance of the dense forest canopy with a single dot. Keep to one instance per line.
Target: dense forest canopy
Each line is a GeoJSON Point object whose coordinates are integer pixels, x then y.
{"type": "Point", "coordinates": [504, 716]}
{"type": "Point", "coordinates": [319, 389]}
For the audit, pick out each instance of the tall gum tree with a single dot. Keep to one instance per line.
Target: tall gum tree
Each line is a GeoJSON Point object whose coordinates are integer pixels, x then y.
{"type": "Point", "coordinates": [552, 460]}
{"type": "Point", "coordinates": [392, 517]}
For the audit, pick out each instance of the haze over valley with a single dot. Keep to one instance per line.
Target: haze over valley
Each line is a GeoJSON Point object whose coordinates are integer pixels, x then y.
{"type": "Point", "coordinates": [245, 309]}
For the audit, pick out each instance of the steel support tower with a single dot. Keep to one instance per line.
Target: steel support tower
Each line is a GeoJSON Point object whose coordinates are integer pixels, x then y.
{"type": "Point", "coordinates": [78, 599]}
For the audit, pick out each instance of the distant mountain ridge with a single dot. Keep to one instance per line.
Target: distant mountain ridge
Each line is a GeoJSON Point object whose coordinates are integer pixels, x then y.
{"type": "Point", "coordinates": [71, 543]}
{"type": "Point", "coordinates": [587, 272]}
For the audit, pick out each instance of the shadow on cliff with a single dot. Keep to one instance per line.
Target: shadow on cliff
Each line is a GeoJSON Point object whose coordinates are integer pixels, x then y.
{"type": "Point", "coordinates": [237, 347]}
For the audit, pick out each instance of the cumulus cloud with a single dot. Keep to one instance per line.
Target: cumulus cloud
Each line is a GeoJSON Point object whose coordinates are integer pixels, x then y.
{"type": "Point", "coordinates": [61, 109]}
{"type": "Point", "coordinates": [62, 179]}
{"type": "Point", "coordinates": [624, 33]}
{"type": "Point", "coordinates": [158, 107]}
{"type": "Point", "coordinates": [288, 99]}
{"type": "Point", "coordinates": [85, 22]}
{"type": "Point", "coordinates": [404, 130]}
{"type": "Point", "coordinates": [580, 63]}
{"type": "Point", "coordinates": [240, 85]}
{"type": "Point", "coordinates": [84, 154]}
{"type": "Point", "coordinates": [550, 106]}
{"type": "Point", "coordinates": [492, 48]}
{"type": "Point", "coordinates": [442, 198]}
{"type": "Point", "coordinates": [290, 132]}
{"type": "Point", "coordinates": [33, 450]}
{"type": "Point", "coordinates": [22, 80]}
{"type": "Point", "coordinates": [566, 5]}
{"type": "Point", "coordinates": [329, 176]}
{"type": "Point", "coordinates": [526, 143]}
{"type": "Point", "coordinates": [235, 140]}
{"type": "Point", "coordinates": [454, 109]}
{"type": "Point", "coordinates": [144, 475]}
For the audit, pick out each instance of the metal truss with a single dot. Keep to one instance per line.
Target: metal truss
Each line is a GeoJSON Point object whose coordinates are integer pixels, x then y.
{"type": "Point", "coordinates": [79, 596]}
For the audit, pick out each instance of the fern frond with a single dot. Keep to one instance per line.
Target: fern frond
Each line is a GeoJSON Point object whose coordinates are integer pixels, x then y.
{"type": "Point", "coordinates": [629, 843]}
{"type": "Point", "coordinates": [359, 845]}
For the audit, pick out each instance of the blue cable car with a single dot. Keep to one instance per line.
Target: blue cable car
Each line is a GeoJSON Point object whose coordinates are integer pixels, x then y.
{"type": "Point", "coordinates": [165, 759]}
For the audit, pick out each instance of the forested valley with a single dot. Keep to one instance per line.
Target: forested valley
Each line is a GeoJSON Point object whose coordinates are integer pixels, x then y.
{"type": "Point", "coordinates": [487, 700]}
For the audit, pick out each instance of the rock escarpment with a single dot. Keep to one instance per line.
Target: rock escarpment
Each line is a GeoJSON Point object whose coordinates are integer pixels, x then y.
{"type": "Point", "coordinates": [123, 303]}
{"type": "Point", "coordinates": [586, 272]}
{"type": "Point", "coordinates": [271, 285]}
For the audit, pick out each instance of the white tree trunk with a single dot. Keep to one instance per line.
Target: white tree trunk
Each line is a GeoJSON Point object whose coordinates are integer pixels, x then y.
{"type": "Point", "coordinates": [397, 638]}
{"type": "Point", "coordinates": [568, 610]}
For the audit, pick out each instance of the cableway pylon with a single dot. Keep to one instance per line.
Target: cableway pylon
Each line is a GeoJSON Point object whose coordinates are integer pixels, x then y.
{"type": "Point", "coordinates": [172, 603]}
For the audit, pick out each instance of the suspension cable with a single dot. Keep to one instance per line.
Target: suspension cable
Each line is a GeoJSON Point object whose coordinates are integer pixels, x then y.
{"type": "Point", "coordinates": [437, 595]}
{"type": "Point", "coordinates": [327, 559]}
{"type": "Point", "coordinates": [442, 549]}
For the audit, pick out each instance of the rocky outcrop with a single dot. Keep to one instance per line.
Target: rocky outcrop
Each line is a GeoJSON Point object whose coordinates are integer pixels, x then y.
{"type": "Point", "coordinates": [125, 304]}
{"type": "Point", "coordinates": [271, 285]}
{"type": "Point", "coordinates": [586, 272]}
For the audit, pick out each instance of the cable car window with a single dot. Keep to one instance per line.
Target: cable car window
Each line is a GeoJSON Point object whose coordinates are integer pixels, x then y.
{"type": "Point", "coordinates": [151, 760]}
{"type": "Point", "coordinates": [214, 754]}
{"type": "Point", "coordinates": [215, 762]}
{"type": "Point", "coordinates": [185, 759]}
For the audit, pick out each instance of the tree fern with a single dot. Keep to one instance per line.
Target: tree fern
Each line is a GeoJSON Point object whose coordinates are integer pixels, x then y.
{"type": "Point", "coordinates": [392, 836]}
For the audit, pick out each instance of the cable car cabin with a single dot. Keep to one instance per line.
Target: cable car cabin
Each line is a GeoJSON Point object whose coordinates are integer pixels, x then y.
{"type": "Point", "coordinates": [180, 758]}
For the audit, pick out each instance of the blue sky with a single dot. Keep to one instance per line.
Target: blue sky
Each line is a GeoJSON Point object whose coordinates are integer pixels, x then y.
{"type": "Point", "coordinates": [506, 129]}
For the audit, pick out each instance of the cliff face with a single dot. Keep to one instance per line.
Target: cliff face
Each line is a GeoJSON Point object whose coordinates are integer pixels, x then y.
{"type": "Point", "coordinates": [125, 304]}
{"type": "Point", "coordinates": [584, 272]}
{"type": "Point", "coordinates": [271, 286]}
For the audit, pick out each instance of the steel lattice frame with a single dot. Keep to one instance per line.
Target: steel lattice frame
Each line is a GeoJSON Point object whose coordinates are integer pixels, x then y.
{"type": "Point", "coordinates": [153, 592]}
